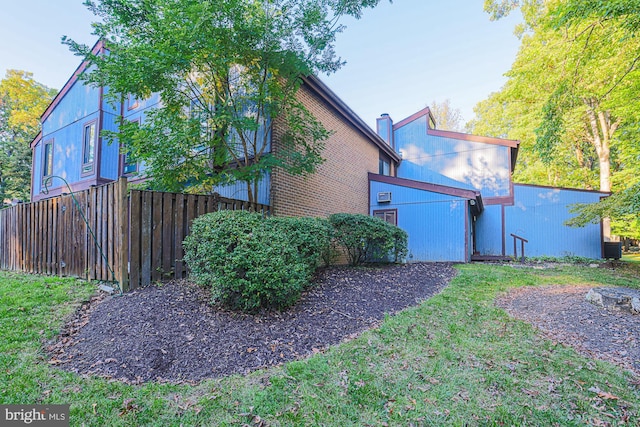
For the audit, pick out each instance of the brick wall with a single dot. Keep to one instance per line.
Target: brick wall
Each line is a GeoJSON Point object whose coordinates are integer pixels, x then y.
{"type": "Point", "coordinates": [340, 184]}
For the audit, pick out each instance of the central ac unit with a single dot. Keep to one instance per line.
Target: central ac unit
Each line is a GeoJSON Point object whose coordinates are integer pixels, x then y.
{"type": "Point", "coordinates": [384, 196]}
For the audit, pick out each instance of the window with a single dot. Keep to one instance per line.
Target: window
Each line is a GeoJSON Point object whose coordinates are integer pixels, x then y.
{"type": "Point", "coordinates": [129, 166]}
{"type": "Point", "coordinates": [89, 135]}
{"type": "Point", "coordinates": [132, 102]}
{"type": "Point", "coordinates": [47, 159]}
{"type": "Point", "coordinates": [383, 167]}
{"type": "Point", "coordinates": [388, 215]}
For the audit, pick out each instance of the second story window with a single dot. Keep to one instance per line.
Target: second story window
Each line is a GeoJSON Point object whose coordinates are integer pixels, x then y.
{"type": "Point", "coordinates": [383, 167]}
{"type": "Point", "coordinates": [132, 102]}
{"type": "Point", "coordinates": [129, 166]}
{"type": "Point", "coordinates": [89, 135]}
{"type": "Point", "coordinates": [47, 159]}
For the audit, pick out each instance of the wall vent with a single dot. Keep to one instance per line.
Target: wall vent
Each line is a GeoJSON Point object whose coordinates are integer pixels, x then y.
{"type": "Point", "coordinates": [384, 197]}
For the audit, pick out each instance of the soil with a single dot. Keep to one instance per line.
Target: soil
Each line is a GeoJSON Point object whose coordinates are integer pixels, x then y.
{"type": "Point", "coordinates": [170, 332]}
{"type": "Point", "coordinates": [564, 315]}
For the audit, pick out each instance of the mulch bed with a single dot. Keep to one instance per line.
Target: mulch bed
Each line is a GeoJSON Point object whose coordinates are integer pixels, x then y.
{"type": "Point", "coordinates": [171, 332]}
{"type": "Point", "coordinates": [563, 315]}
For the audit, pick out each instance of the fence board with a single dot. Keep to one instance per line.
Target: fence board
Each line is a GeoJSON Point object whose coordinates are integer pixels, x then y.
{"type": "Point", "coordinates": [135, 238]}
{"type": "Point", "coordinates": [156, 227]}
{"type": "Point", "coordinates": [168, 236]}
{"type": "Point", "coordinates": [140, 234]}
{"type": "Point", "coordinates": [179, 233]}
{"type": "Point", "coordinates": [145, 239]}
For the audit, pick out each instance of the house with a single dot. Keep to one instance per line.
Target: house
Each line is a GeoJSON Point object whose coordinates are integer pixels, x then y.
{"type": "Point", "coordinates": [453, 193]}
{"type": "Point", "coordinates": [70, 146]}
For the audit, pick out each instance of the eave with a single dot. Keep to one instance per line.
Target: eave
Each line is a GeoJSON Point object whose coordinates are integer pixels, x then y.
{"type": "Point", "coordinates": [328, 96]}
{"type": "Point", "coordinates": [95, 50]}
{"type": "Point", "coordinates": [471, 195]}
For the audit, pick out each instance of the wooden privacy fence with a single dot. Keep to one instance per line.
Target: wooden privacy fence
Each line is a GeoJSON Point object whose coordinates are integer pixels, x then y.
{"type": "Point", "coordinates": [134, 239]}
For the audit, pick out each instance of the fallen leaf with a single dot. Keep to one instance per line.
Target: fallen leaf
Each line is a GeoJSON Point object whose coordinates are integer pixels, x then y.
{"type": "Point", "coordinates": [608, 396]}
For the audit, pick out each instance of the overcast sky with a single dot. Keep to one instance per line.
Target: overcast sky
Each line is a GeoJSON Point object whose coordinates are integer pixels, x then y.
{"type": "Point", "coordinates": [400, 57]}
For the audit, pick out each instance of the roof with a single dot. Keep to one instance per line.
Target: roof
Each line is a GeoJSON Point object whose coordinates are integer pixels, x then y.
{"type": "Point", "coordinates": [97, 48]}
{"type": "Point", "coordinates": [464, 193]}
{"type": "Point", "coordinates": [511, 143]}
{"type": "Point", "coordinates": [327, 95]}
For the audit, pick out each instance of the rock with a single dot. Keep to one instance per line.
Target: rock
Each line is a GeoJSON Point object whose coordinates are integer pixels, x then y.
{"type": "Point", "coordinates": [616, 299]}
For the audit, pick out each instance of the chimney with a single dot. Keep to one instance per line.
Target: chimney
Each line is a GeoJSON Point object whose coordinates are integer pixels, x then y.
{"type": "Point", "coordinates": [384, 128]}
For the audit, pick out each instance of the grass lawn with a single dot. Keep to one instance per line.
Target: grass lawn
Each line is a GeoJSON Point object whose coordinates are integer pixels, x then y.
{"type": "Point", "coordinates": [631, 257]}
{"type": "Point", "coordinates": [454, 360]}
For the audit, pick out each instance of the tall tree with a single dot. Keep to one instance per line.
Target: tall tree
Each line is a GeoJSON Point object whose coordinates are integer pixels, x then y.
{"type": "Point", "coordinates": [572, 86]}
{"type": "Point", "coordinates": [22, 101]}
{"type": "Point", "coordinates": [446, 116]}
{"type": "Point", "coordinates": [621, 97]}
{"type": "Point", "coordinates": [227, 71]}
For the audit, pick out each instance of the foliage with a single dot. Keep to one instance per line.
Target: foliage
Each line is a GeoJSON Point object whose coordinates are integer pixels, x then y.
{"type": "Point", "coordinates": [368, 239]}
{"type": "Point", "coordinates": [252, 263]}
{"type": "Point", "coordinates": [624, 205]}
{"type": "Point", "coordinates": [571, 97]}
{"type": "Point", "coordinates": [446, 116]}
{"type": "Point", "coordinates": [227, 72]}
{"type": "Point", "coordinates": [311, 237]}
{"type": "Point", "coordinates": [455, 359]}
{"type": "Point", "coordinates": [572, 11]}
{"type": "Point", "coordinates": [22, 101]}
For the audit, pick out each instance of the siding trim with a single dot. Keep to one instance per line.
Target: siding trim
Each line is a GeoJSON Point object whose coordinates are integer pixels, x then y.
{"type": "Point", "coordinates": [604, 193]}
{"type": "Point", "coordinates": [434, 188]}
{"type": "Point", "coordinates": [466, 230]}
{"type": "Point", "coordinates": [504, 231]}
{"type": "Point", "coordinates": [95, 50]}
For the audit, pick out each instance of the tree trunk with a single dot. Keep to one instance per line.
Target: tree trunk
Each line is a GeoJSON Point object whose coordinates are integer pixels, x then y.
{"type": "Point", "coordinates": [601, 131]}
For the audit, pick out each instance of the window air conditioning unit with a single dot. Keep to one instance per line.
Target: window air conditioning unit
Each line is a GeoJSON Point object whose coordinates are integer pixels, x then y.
{"type": "Point", "coordinates": [384, 197]}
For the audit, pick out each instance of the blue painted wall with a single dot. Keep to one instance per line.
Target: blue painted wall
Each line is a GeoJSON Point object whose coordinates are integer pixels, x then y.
{"type": "Point", "coordinates": [110, 158]}
{"type": "Point", "coordinates": [238, 190]}
{"type": "Point", "coordinates": [435, 223]}
{"type": "Point", "coordinates": [136, 109]}
{"type": "Point", "coordinates": [538, 215]}
{"type": "Point", "coordinates": [64, 126]}
{"type": "Point", "coordinates": [478, 165]}
{"type": "Point", "coordinates": [489, 236]}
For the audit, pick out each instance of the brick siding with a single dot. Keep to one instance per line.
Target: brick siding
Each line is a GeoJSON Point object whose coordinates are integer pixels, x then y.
{"type": "Point", "coordinates": [340, 184]}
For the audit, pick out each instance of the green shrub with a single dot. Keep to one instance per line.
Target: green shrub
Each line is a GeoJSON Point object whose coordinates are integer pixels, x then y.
{"type": "Point", "coordinates": [368, 239]}
{"type": "Point", "coordinates": [310, 236]}
{"type": "Point", "coordinates": [250, 262]}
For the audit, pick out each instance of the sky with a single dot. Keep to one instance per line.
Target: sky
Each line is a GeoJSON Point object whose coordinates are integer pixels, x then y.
{"type": "Point", "coordinates": [400, 56]}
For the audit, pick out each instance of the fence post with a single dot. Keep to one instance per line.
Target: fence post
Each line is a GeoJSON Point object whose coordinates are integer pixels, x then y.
{"type": "Point", "coordinates": [123, 225]}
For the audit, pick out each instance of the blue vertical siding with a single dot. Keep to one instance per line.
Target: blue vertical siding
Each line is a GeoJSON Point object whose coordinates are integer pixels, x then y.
{"type": "Point", "coordinates": [238, 190]}
{"type": "Point", "coordinates": [79, 102]}
{"type": "Point", "coordinates": [489, 231]}
{"type": "Point", "coordinates": [110, 156]}
{"type": "Point", "coordinates": [36, 173]}
{"type": "Point", "coordinates": [65, 125]}
{"type": "Point", "coordinates": [482, 166]}
{"type": "Point", "coordinates": [538, 215]}
{"type": "Point", "coordinates": [137, 109]}
{"type": "Point", "coordinates": [436, 223]}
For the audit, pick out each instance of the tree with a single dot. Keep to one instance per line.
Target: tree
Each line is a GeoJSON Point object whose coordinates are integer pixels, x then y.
{"type": "Point", "coordinates": [572, 86]}
{"type": "Point", "coordinates": [446, 117]}
{"type": "Point", "coordinates": [624, 16]}
{"type": "Point", "coordinates": [22, 101]}
{"type": "Point", "coordinates": [227, 72]}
